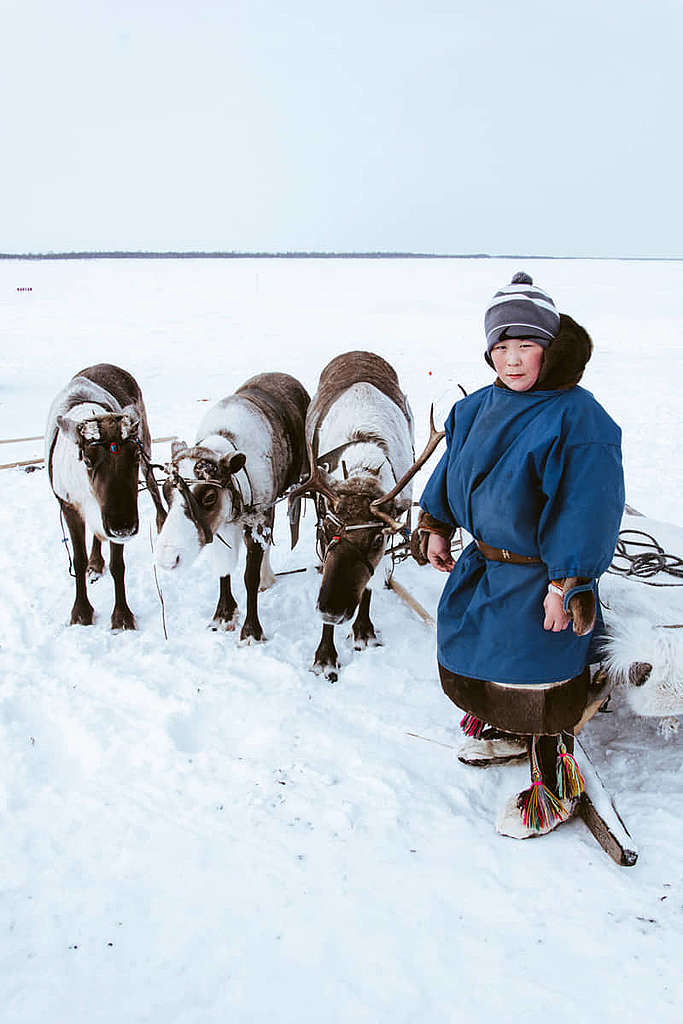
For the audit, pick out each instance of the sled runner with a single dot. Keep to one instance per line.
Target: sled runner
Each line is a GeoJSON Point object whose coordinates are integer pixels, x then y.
{"type": "Point", "coordinates": [601, 816]}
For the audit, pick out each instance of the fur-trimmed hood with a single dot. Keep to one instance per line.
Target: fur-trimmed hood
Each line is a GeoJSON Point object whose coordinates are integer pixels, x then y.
{"type": "Point", "coordinates": [564, 360]}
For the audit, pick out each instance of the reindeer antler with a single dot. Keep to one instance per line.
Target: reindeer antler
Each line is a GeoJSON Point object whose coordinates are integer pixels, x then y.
{"type": "Point", "coordinates": [315, 482]}
{"type": "Point", "coordinates": [435, 437]}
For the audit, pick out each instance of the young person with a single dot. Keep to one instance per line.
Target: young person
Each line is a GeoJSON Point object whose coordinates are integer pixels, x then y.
{"type": "Point", "coordinates": [532, 471]}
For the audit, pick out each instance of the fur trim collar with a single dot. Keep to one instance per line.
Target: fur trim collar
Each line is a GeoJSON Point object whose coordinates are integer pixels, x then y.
{"type": "Point", "coordinates": [564, 360]}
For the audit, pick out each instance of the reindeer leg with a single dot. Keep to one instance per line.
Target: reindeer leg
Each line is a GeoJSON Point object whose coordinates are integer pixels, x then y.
{"type": "Point", "coordinates": [153, 489]}
{"type": "Point", "coordinates": [363, 629]}
{"type": "Point", "coordinates": [122, 617]}
{"type": "Point", "coordinates": [82, 612]}
{"type": "Point", "coordinates": [95, 562]}
{"type": "Point", "coordinates": [326, 662]}
{"type": "Point", "coordinates": [251, 630]}
{"type": "Point", "coordinates": [225, 616]}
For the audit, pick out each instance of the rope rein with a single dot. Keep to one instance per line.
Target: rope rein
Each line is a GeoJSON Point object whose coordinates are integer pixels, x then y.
{"type": "Point", "coordinates": [65, 542]}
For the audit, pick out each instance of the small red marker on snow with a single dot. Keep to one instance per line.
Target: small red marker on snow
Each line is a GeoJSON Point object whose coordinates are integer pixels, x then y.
{"type": "Point", "coordinates": [429, 372]}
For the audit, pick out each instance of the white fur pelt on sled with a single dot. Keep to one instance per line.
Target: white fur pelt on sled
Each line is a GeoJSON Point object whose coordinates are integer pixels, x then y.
{"type": "Point", "coordinates": [637, 617]}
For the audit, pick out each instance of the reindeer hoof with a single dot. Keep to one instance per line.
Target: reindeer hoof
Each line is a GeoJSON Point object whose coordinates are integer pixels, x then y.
{"type": "Point", "coordinates": [365, 636]}
{"type": "Point", "coordinates": [251, 634]}
{"type": "Point", "coordinates": [224, 625]}
{"type": "Point", "coordinates": [251, 641]}
{"type": "Point", "coordinates": [330, 672]}
{"type": "Point", "coordinates": [123, 619]}
{"type": "Point", "coordinates": [82, 615]}
{"type": "Point", "coordinates": [361, 643]}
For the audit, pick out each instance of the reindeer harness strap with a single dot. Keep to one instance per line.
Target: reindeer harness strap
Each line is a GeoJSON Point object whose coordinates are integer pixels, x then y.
{"type": "Point", "coordinates": [339, 537]}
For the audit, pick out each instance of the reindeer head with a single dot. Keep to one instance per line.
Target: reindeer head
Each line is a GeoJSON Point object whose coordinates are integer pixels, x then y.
{"type": "Point", "coordinates": [353, 543]}
{"type": "Point", "coordinates": [108, 445]}
{"type": "Point", "coordinates": [357, 519]}
{"type": "Point", "coordinates": [202, 495]}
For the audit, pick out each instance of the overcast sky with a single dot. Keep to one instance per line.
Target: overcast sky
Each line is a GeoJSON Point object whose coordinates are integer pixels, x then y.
{"type": "Point", "coordinates": [493, 126]}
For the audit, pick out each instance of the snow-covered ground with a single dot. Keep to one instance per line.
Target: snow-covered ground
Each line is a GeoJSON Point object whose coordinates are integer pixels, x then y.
{"type": "Point", "coordinates": [198, 832]}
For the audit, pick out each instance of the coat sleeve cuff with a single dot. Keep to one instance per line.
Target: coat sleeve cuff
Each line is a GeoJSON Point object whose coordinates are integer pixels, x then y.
{"type": "Point", "coordinates": [428, 524]}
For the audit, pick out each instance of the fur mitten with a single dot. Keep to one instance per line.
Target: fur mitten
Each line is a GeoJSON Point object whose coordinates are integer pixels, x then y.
{"type": "Point", "coordinates": [419, 539]}
{"type": "Point", "coordinates": [581, 606]}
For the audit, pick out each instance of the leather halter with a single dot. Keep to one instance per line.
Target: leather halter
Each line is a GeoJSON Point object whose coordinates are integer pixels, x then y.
{"type": "Point", "coordinates": [340, 536]}
{"type": "Point", "coordinates": [182, 484]}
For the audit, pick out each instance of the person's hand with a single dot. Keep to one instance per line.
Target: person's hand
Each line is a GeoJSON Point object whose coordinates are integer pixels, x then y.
{"type": "Point", "coordinates": [555, 616]}
{"type": "Point", "coordinates": [439, 552]}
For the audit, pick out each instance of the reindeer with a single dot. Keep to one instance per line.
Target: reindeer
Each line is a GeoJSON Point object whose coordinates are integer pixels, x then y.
{"type": "Point", "coordinates": [249, 450]}
{"type": "Point", "coordinates": [96, 435]}
{"type": "Point", "coordinates": [359, 434]}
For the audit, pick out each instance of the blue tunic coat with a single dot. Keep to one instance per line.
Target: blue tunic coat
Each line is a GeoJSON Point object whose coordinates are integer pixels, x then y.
{"type": "Point", "coordinates": [538, 473]}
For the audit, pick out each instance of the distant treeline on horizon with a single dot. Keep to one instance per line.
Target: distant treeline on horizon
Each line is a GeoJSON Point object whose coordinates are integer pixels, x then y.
{"type": "Point", "coordinates": [236, 255]}
{"type": "Point", "coordinates": [122, 255]}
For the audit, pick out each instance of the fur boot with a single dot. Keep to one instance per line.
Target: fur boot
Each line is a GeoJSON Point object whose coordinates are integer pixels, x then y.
{"type": "Point", "coordinates": [510, 820]}
{"type": "Point", "coordinates": [491, 748]}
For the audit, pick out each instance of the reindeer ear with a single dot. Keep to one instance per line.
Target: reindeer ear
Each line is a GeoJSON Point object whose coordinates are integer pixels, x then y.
{"type": "Point", "coordinates": [70, 427]}
{"type": "Point", "coordinates": [130, 423]}
{"type": "Point", "coordinates": [230, 464]}
{"type": "Point", "coordinates": [177, 448]}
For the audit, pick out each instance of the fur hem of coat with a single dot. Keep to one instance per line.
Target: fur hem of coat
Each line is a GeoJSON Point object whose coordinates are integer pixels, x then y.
{"type": "Point", "coordinates": [521, 710]}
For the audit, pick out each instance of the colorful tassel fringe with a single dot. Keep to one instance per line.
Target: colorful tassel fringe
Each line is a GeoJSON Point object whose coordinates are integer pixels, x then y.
{"type": "Point", "coordinates": [472, 726]}
{"type": "Point", "coordinates": [539, 806]}
{"type": "Point", "coordinates": [569, 779]}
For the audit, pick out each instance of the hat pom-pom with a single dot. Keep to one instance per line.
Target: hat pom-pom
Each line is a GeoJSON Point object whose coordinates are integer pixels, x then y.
{"type": "Point", "coordinates": [521, 278]}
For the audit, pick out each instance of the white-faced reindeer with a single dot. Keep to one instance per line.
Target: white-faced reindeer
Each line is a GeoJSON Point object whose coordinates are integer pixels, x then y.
{"type": "Point", "coordinates": [642, 596]}
{"type": "Point", "coordinates": [249, 450]}
{"type": "Point", "coordinates": [95, 438]}
{"type": "Point", "coordinates": [359, 432]}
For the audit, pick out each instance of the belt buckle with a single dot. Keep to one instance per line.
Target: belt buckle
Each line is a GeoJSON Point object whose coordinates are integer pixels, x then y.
{"type": "Point", "coordinates": [506, 554]}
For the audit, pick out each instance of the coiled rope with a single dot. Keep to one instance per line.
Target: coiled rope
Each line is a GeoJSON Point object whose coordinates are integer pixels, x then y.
{"type": "Point", "coordinates": [649, 560]}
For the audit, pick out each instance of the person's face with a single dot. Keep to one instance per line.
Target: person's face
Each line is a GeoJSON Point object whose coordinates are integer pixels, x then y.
{"type": "Point", "coordinates": [517, 362]}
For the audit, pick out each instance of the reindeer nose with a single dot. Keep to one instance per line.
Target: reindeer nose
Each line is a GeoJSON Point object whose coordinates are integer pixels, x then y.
{"type": "Point", "coordinates": [123, 532]}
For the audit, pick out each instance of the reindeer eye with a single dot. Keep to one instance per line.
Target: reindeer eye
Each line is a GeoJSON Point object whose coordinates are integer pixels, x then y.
{"type": "Point", "coordinates": [378, 541]}
{"type": "Point", "coordinates": [209, 498]}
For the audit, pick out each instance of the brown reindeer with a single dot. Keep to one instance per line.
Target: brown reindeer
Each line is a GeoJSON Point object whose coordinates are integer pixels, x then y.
{"type": "Point", "coordinates": [96, 436]}
{"type": "Point", "coordinates": [359, 432]}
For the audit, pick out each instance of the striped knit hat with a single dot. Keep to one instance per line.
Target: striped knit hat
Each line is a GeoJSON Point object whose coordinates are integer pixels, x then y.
{"type": "Point", "coordinates": [521, 310]}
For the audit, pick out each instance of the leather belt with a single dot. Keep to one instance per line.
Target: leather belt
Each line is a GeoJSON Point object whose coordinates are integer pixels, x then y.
{"type": "Point", "coordinates": [503, 555]}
